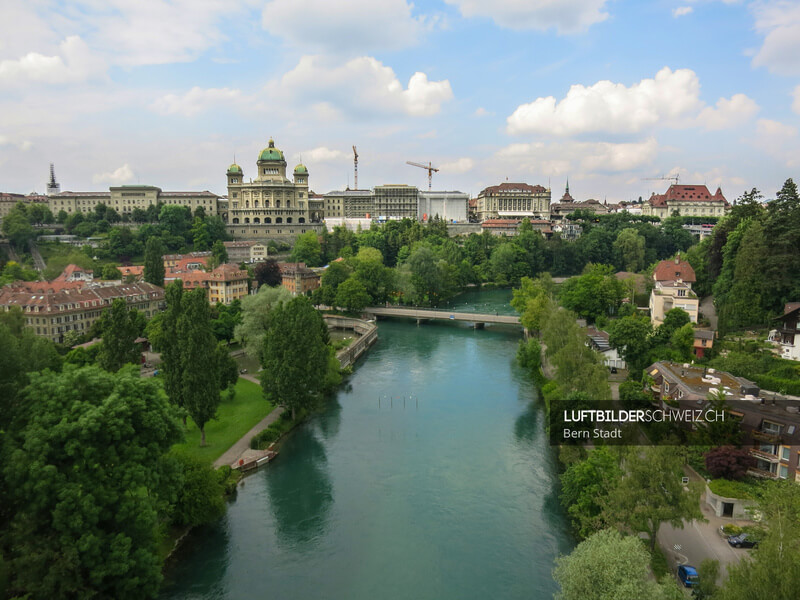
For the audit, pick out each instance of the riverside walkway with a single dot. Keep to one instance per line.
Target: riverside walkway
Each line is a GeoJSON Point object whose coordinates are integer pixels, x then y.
{"type": "Point", "coordinates": [445, 315]}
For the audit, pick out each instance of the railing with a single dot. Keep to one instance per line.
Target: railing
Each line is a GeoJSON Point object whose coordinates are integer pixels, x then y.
{"type": "Point", "coordinates": [368, 334]}
{"type": "Point", "coordinates": [771, 458]}
{"type": "Point", "coordinates": [761, 473]}
{"type": "Point", "coordinates": [764, 436]}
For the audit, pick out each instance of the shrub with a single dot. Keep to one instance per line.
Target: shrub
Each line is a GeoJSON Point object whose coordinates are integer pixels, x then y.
{"type": "Point", "coordinates": [733, 489]}
{"type": "Point", "coordinates": [731, 529]}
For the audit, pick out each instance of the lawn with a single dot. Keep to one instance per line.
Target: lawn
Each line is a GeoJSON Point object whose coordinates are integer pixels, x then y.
{"type": "Point", "coordinates": [234, 419]}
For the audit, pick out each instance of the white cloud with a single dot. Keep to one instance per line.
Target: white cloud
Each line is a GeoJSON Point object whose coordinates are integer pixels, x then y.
{"type": "Point", "coordinates": [611, 107]}
{"type": "Point", "coordinates": [195, 101]}
{"type": "Point", "coordinates": [148, 32]}
{"type": "Point", "coordinates": [796, 103]}
{"type": "Point", "coordinates": [119, 176]}
{"type": "Point", "coordinates": [462, 165]}
{"type": "Point", "coordinates": [363, 86]}
{"type": "Point", "coordinates": [566, 16]}
{"type": "Point", "coordinates": [322, 154]}
{"type": "Point", "coordinates": [775, 129]}
{"type": "Point", "coordinates": [20, 144]}
{"type": "Point", "coordinates": [344, 25]}
{"type": "Point", "coordinates": [681, 11]}
{"type": "Point", "coordinates": [728, 113]}
{"type": "Point", "coordinates": [74, 63]}
{"type": "Point", "coordinates": [779, 22]}
{"type": "Point", "coordinates": [563, 157]}
{"type": "Point", "coordinates": [482, 112]}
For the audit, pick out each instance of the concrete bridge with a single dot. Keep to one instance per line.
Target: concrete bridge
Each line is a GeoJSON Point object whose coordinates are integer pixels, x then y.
{"type": "Point", "coordinates": [422, 314]}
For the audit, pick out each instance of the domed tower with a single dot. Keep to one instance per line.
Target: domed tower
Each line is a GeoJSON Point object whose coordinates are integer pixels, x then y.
{"type": "Point", "coordinates": [235, 174]}
{"type": "Point", "coordinates": [271, 164]}
{"type": "Point", "coordinates": [301, 175]}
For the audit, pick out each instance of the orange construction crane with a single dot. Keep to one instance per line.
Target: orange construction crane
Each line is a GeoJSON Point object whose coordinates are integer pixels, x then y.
{"type": "Point", "coordinates": [429, 167]}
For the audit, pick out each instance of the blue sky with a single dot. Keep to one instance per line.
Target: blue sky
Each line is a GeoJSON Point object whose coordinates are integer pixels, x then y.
{"type": "Point", "coordinates": [603, 92]}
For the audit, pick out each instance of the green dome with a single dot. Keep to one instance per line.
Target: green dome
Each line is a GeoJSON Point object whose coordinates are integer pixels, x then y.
{"type": "Point", "coordinates": [234, 168]}
{"type": "Point", "coordinates": [300, 169]}
{"type": "Point", "coordinates": [271, 153]}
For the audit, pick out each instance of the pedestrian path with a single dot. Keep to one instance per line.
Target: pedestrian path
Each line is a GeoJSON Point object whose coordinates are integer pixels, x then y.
{"type": "Point", "coordinates": [234, 452]}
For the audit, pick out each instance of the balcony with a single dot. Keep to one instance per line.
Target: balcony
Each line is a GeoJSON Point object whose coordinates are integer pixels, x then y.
{"type": "Point", "coordinates": [754, 472]}
{"type": "Point", "coordinates": [767, 436]}
{"type": "Point", "coordinates": [770, 458]}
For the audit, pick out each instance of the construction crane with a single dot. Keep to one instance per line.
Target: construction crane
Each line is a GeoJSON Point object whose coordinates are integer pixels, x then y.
{"type": "Point", "coordinates": [675, 178]}
{"type": "Point", "coordinates": [355, 168]}
{"type": "Point", "coordinates": [429, 167]}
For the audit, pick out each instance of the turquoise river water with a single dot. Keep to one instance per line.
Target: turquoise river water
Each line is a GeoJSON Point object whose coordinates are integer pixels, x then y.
{"type": "Point", "coordinates": [429, 477]}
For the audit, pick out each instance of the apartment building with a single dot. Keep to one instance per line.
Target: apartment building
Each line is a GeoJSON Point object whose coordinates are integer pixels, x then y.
{"type": "Point", "coordinates": [53, 308]}
{"type": "Point", "coordinates": [688, 201]}
{"type": "Point", "coordinates": [673, 289]}
{"type": "Point", "coordinates": [769, 421]}
{"type": "Point", "coordinates": [249, 251]}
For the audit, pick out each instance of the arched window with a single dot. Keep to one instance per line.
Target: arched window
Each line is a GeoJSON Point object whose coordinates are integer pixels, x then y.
{"type": "Point", "coordinates": [301, 220]}
{"type": "Point", "coordinates": [256, 220]}
{"type": "Point", "coordinates": [247, 203]}
{"type": "Point", "coordinates": [246, 219]}
{"type": "Point", "coordinates": [235, 221]}
{"type": "Point", "coordinates": [289, 219]}
{"type": "Point", "coordinates": [279, 220]}
{"type": "Point", "coordinates": [267, 220]}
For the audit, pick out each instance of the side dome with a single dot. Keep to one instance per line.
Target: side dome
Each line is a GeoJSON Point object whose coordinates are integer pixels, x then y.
{"type": "Point", "coordinates": [300, 169]}
{"type": "Point", "coordinates": [235, 169]}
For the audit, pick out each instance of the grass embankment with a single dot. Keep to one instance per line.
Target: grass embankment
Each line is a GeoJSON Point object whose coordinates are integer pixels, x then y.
{"type": "Point", "coordinates": [234, 419]}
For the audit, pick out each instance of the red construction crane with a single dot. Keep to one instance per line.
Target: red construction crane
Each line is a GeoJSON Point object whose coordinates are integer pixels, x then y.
{"type": "Point", "coordinates": [429, 167]}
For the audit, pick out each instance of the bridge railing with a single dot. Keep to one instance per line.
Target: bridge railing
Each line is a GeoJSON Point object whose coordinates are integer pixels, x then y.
{"type": "Point", "coordinates": [447, 310]}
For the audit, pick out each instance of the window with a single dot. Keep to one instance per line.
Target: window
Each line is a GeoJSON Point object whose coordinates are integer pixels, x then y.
{"type": "Point", "coordinates": [783, 472]}
{"type": "Point", "coordinates": [785, 453]}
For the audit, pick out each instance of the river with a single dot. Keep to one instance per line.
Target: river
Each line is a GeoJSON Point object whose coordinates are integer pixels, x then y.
{"type": "Point", "coordinates": [428, 477]}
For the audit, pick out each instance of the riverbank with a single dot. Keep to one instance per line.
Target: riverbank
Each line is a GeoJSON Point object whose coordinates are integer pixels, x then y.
{"type": "Point", "coordinates": [372, 492]}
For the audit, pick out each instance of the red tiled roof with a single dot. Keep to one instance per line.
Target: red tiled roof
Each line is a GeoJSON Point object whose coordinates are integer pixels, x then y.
{"type": "Point", "coordinates": [513, 187]}
{"type": "Point", "coordinates": [132, 270]}
{"type": "Point", "coordinates": [670, 270]}
{"type": "Point", "coordinates": [68, 271]}
{"type": "Point", "coordinates": [687, 193]}
{"type": "Point", "coordinates": [500, 223]}
{"type": "Point", "coordinates": [72, 298]}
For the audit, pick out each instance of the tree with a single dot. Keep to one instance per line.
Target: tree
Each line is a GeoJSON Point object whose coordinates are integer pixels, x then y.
{"type": "Point", "coordinates": [336, 273]}
{"type": "Point", "coordinates": [607, 565]}
{"type": "Point", "coordinates": [154, 262]}
{"type": "Point", "coordinates": [269, 273]}
{"type": "Point", "coordinates": [295, 355]}
{"type": "Point", "coordinates": [122, 245]}
{"type": "Point", "coordinates": [119, 333]}
{"type": "Point", "coordinates": [651, 493]}
{"type": "Point", "coordinates": [110, 272]}
{"type": "Point", "coordinates": [169, 341]}
{"type": "Point", "coordinates": [17, 228]}
{"type": "Point", "coordinates": [227, 367]}
{"type": "Point", "coordinates": [219, 254]}
{"type": "Point", "coordinates": [201, 496]}
{"type": "Point", "coordinates": [773, 571]}
{"type": "Point", "coordinates": [352, 295]}
{"type": "Point", "coordinates": [255, 318]}
{"type": "Point", "coordinates": [728, 462]}
{"type": "Point", "coordinates": [631, 336]}
{"type": "Point", "coordinates": [585, 487]}
{"type": "Point", "coordinates": [200, 378]}
{"type": "Point", "coordinates": [307, 249]}
{"type": "Point", "coordinates": [630, 250]}
{"type": "Point", "coordinates": [200, 236]}
{"type": "Point", "coordinates": [718, 432]}
{"type": "Point", "coordinates": [82, 475]}
{"type": "Point", "coordinates": [597, 292]}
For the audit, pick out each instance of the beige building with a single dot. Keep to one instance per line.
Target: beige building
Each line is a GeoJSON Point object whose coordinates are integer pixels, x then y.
{"type": "Point", "coordinates": [688, 200]}
{"type": "Point", "coordinates": [673, 289]}
{"type": "Point", "coordinates": [246, 251]}
{"type": "Point", "coordinates": [53, 308]}
{"type": "Point", "coordinates": [514, 201]}
{"type": "Point", "coordinates": [124, 199]}
{"type": "Point", "coordinates": [350, 204]}
{"type": "Point", "coordinates": [225, 284]}
{"type": "Point", "coordinates": [298, 278]}
{"type": "Point", "coordinates": [9, 201]}
{"type": "Point", "coordinates": [270, 198]}
{"type": "Point", "coordinates": [396, 201]}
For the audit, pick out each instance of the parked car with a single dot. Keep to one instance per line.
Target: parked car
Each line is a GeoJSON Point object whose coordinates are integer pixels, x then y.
{"type": "Point", "coordinates": [742, 540]}
{"type": "Point", "coordinates": [688, 576]}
